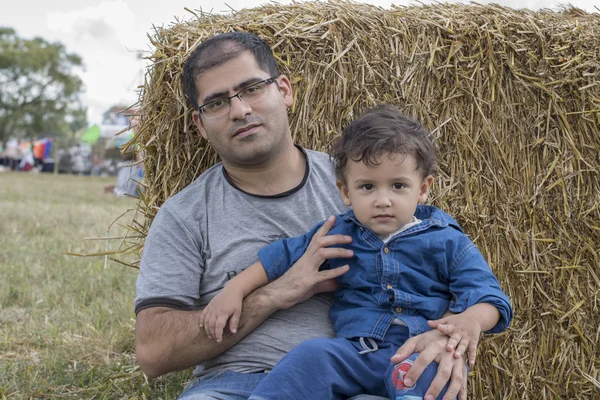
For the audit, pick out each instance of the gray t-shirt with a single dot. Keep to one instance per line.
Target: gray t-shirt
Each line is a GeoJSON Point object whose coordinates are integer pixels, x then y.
{"type": "Point", "coordinates": [211, 231]}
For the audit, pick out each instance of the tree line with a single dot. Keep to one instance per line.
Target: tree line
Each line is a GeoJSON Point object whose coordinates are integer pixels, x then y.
{"type": "Point", "coordinates": [40, 88]}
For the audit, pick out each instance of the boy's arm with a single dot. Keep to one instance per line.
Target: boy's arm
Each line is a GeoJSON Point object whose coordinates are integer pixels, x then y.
{"type": "Point", "coordinates": [465, 329]}
{"type": "Point", "coordinates": [477, 297]}
{"type": "Point", "coordinates": [227, 304]}
{"type": "Point", "coordinates": [275, 260]}
{"type": "Point", "coordinates": [472, 282]}
{"type": "Point", "coordinates": [249, 280]}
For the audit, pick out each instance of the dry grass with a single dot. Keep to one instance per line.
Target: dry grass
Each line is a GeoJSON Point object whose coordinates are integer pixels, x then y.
{"type": "Point", "coordinates": [66, 323]}
{"type": "Point", "coordinates": [513, 97]}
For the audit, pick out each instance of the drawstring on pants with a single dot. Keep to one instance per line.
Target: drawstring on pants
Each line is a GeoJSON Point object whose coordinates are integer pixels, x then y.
{"type": "Point", "coordinates": [366, 348]}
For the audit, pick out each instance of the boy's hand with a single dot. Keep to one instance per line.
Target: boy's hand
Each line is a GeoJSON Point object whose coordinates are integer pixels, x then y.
{"type": "Point", "coordinates": [464, 332]}
{"type": "Point", "coordinates": [214, 317]}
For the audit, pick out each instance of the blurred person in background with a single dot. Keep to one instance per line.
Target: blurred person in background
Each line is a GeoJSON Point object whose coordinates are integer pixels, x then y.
{"type": "Point", "coordinates": [13, 153]}
{"type": "Point", "coordinates": [3, 160]}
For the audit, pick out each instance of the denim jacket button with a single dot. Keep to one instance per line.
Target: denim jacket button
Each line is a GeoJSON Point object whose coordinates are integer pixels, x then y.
{"type": "Point", "coordinates": [389, 286]}
{"type": "Point", "coordinates": [398, 309]}
{"type": "Point", "coordinates": [386, 250]}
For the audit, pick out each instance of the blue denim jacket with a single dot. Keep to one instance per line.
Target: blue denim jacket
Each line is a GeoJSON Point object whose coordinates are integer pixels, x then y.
{"type": "Point", "coordinates": [418, 275]}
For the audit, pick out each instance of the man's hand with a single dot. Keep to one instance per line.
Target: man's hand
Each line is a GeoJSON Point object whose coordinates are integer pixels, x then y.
{"type": "Point", "coordinates": [432, 347]}
{"type": "Point", "coordinates": [303, 279]}
{"type": "Point", "coordinates": [225, 305]}
{"type": "Point", "coordinates": [464, 333]}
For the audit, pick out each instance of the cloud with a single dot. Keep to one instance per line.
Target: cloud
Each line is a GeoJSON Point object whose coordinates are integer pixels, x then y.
{"type": "Point", "coordinates": [110, 21]}
{"type": "Point", "coordinates": [104, 35]}
{"type": "Point", "coordinates": [97, 29]}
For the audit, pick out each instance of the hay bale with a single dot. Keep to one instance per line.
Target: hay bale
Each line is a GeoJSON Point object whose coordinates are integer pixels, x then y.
{"type": "Point", "coordinates": [513, 97]}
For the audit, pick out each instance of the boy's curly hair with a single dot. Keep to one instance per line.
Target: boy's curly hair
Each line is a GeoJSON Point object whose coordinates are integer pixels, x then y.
{"type": "Point", "coordinates": [384, 130]}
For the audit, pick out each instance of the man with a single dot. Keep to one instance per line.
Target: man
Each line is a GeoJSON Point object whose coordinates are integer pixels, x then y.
{"type": "Point", "coordinates": [265, 188]}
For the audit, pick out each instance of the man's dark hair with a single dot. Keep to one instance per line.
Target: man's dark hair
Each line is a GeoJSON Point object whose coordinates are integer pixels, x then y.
{"type": "Point", "coordinates": [218, 50]}
{"type": "Point", "coordinates": [384, 130]}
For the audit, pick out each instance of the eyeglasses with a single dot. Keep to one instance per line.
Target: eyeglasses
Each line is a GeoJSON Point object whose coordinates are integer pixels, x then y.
{"type": "Point", "coordinates": [249, 95]}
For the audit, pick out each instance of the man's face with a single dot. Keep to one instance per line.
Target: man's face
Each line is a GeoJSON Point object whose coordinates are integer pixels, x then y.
{"type": "Point", "coordinates": [249, 134]}
{"type": "Point", "coordinates": [384, 197]}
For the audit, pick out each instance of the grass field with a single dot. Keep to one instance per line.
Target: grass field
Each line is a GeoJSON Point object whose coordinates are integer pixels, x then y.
{"type": "Point", "coordinates": [66, 323]}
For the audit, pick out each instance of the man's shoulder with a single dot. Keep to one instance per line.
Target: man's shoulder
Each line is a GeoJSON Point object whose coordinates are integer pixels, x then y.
{"type": "Point", "coordinates": [188, 197]}
{"type": "Point", "coordinates": [318, 156]}
{"type": "Point", "coordinates": [321, 163]}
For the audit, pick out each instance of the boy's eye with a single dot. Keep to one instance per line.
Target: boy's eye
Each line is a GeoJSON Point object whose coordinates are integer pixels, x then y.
{"type": "Point", "coordinates": [398, 186]}
{"type": "Point", "coordinates": [367, 186]}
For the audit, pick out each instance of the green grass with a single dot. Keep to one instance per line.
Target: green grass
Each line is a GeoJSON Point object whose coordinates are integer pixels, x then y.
{"type": "Point", "coordinates": [66, 323]}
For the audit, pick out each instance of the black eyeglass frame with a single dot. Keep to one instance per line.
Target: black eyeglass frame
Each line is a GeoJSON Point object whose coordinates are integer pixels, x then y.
{"type": "Point", "coordinates": [267, 82]}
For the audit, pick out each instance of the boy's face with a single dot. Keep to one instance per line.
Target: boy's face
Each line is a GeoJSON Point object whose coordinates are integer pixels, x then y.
{"type": "Point", "coordinates": [384, 197]}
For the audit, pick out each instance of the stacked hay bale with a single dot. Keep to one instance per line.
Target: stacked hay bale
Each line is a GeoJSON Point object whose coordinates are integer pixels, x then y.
{"type": "Point", "coordinates": [513, 99]}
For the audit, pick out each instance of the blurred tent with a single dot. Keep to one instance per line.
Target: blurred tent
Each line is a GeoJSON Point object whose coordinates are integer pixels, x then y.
{"type": "Point", "coordinates": [91, 136]}
{"type": "Point", "coordinates": [113, 135]}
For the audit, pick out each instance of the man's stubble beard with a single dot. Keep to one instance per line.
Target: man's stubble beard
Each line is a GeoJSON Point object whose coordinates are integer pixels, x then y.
{"type": "Point", "coordinates": [260, 150]}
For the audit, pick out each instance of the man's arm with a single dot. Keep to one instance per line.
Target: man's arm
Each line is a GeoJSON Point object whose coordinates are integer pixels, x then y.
{"type": "Point", "coordinates": [171, 340]}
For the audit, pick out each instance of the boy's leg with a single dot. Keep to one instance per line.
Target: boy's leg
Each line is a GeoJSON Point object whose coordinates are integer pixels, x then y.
{"type": "Point", "coordinates": [322, 369]}
{"type": "Point", "coordinates": [395, 381]}
{"type": "Point", "coordinates": [223, 385]}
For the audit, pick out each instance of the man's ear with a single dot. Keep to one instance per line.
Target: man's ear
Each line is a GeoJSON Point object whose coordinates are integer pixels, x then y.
{"type": "Point", "coordinates": [344, 192]}
{"type": "Point", "coordinates": [285, 87]}
{"type": "Point", "coordinates": [198, 122]}
{"type": "Point", "coordinates": [425, 188]}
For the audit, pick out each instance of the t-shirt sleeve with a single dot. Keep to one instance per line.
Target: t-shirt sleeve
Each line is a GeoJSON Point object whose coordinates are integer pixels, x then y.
{"type": "Point", "coordinates": [279, 256]}
{"type": "Point", "coordinates": [171, 266]}
{"type": "Point", "coordinates": [473, 282]}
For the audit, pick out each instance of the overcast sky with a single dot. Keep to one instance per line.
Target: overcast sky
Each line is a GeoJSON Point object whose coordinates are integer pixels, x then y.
{"type": "Point", "coordinates": [108, 35]}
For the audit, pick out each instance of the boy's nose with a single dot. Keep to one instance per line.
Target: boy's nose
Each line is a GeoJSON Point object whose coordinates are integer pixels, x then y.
{"type": "Point", "coordinates": [383, 201]}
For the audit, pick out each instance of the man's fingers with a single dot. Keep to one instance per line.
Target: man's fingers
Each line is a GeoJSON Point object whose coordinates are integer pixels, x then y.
{"type": "Point", "coordinates": [234, 321]}
{"type": "Point", "coordinates": [462, 394]}
{"type": "Point", "coordinates": [421, 362]}
{"type": "Point", "coordinates": [325, 253]}
{"type": "Point", "coordinates": [330, 240]}
{"type": "Point", "coordinates": [324, 229]}
{"type": "Point", "coordinates": [404, 351]}
{"type": "Point", "coordinates": [332, 273]}
{"type": "Point", "coordinates": [443, 375]}
{"type": "Point", "coordinates": [457, 380]}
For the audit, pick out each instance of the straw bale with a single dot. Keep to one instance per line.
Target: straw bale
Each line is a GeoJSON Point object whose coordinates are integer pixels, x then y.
{"type": "Point", "coordinates": [513, 99]}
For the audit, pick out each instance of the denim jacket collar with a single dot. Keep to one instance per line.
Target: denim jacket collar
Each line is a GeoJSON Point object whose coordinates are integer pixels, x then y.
{"type": "Point", "coordinates": [431, 217]}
